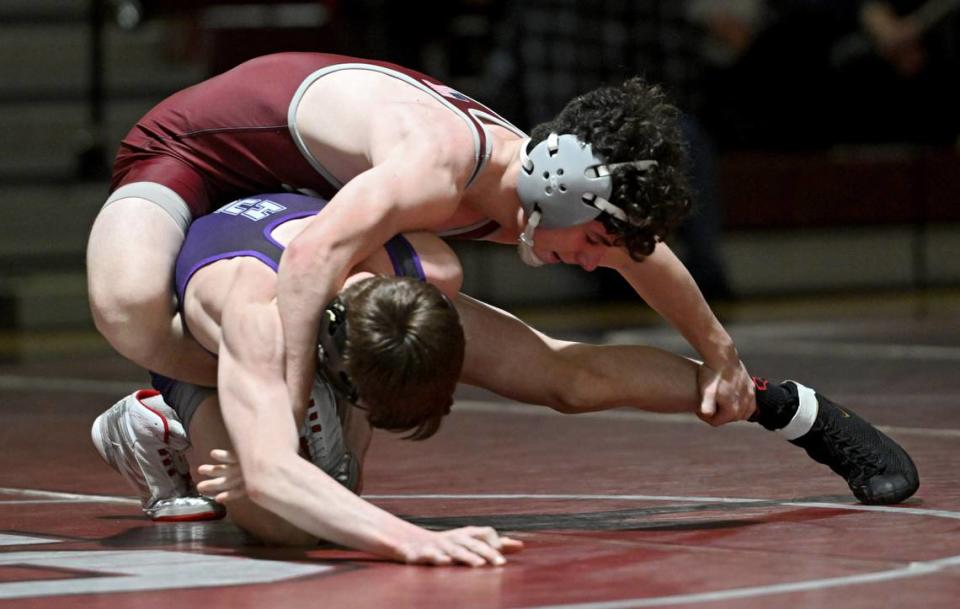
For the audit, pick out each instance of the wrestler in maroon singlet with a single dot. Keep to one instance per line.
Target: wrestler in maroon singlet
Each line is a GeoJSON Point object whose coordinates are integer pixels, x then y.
{"type": "Point", "coordinates": [232, 135]}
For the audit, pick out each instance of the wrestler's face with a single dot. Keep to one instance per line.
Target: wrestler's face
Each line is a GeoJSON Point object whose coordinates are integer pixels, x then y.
{"type": "Point", "coordinates": [585, 245]}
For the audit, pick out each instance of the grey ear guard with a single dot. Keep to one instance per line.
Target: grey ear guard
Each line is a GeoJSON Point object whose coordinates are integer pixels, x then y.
{"type": "Point", "coordinates": [560, 177]}
{"type": "Point", "coordinates": [569, 184]}
{"type": "Point", "coordinates": [331, 348]}
{"type": "Point", "coordinates": [563, 183]}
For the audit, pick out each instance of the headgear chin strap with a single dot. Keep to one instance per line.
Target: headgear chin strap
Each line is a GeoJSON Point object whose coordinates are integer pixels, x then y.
{"type": "Point", "coordinates": [331, 349]}
{"type": "Point", "coordinates": [525, 242]}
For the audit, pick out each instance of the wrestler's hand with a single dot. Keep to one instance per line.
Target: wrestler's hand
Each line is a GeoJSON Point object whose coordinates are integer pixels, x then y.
{"type": "Point", "coordinates": [472, 546]}
{"type": "Point", "coordinates": [726, 395]}
{"type": "Point", "coordinates": [225, 481]}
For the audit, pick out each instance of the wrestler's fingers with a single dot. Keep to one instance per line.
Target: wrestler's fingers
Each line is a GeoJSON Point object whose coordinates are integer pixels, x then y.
{"type": "Point", "coordinates": [216, 485]}
{"type": "Point", "coordinates": [221, 455]}
{"type": "Point", "coordinates": [231, 495]}
{"type": "Point", "coordinates": [486, 534]}
{"type": "Point", "coordinates": [464, 555]}
{"type": "Point", "coordinates": [483, 549]}
{"type": "Point", "coordinates": [508, 545]}
{"type": "Point", "coordinates": [212, 471]}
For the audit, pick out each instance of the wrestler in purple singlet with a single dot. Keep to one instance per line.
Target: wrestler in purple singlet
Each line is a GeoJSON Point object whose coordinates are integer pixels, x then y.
{"type": "Point", "coordinates": [244, 228]}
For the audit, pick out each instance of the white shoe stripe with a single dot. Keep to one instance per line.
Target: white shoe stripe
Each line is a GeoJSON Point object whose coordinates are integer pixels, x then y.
{"type": "Point", "coordinates": [805, 416]}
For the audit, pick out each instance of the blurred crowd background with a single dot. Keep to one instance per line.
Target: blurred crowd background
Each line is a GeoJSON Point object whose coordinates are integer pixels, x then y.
{"type": "Point", "coordinates": [823, 133]}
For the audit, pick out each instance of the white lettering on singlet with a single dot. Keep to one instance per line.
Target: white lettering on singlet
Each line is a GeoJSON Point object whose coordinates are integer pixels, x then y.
{"type": "Point", "coordinates": [253, 209]}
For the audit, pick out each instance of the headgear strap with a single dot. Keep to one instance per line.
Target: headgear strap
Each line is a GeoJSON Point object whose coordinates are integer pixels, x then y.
{"type": "Point", "coordinates": [331, 349]}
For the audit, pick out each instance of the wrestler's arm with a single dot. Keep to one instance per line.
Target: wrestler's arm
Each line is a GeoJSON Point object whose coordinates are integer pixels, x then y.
{"type": "Point", "coordinates": [512, 359]}
{"type": "Point", "coordinates": [441, 267]}
{"type": "Point", "coordinates": [407, 189]}
{"type": "Point", "coordinates": [256, 410]}
{"type": "Point", "coordinates": [666, 285]}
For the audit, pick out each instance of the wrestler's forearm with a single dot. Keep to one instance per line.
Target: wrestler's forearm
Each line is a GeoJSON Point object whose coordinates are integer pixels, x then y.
{"type": "Point", "coordinates": [315, 264]}
{"type": "Point", "coordinates": [666, 285]}
{"type": "Point", "coordinates": [262, 430]}
{"type": "Point", "coordinates": [300, 493]}
{"type": "Point", "coordinates": [303, 289]}
{"type": "Point", "coordinates": [258, 417]}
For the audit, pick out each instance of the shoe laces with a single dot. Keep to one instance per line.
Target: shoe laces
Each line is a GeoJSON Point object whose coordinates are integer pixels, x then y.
{"type": "Point", "coordinates": [854, 453]}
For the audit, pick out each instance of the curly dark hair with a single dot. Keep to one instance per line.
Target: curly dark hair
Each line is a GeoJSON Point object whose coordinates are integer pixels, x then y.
{"type": "Point", "coordinates": [404, 353]}
{"type": "Point", "coordinates": [632, 122]}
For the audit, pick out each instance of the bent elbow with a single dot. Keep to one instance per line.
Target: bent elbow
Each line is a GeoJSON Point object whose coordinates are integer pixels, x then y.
{"type": "Point", "coordinates": [299, 252]}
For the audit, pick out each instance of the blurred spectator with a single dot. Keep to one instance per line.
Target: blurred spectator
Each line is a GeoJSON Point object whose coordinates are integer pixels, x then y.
{"type": "Point", "coordinates": [549, 51]}
{"type": "Point", "coordinates": [771, 88]}
{"type": "Point", "coordinates": [399, 32]}
{"type": "Point", "coordinates": [802, 74]}
{"type": "Point", "coordinates": [224, 33]}
{"type": "Point", "coordinates": [896, 72]}
{"type": "Point", "coordinates": [729, 25]}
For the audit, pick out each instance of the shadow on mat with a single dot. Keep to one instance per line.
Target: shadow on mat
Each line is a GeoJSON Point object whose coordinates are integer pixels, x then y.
{"type": "Point", "coordinates": [638, 519]}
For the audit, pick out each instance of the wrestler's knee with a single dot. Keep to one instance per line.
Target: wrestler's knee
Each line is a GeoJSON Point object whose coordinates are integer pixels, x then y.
{"type": "Point", "coordinates": [572, 391]}
{"type": "Point", "coordinates": [135, 322]}
{"type": "Point", "coordinates": [130, 257]}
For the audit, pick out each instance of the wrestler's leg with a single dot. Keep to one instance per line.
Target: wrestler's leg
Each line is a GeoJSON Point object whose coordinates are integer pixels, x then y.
{"type": "Point", "coordinates": [207, 432]}
{"type": "Point", "coordinates": [570, 377]}
{"type": "Point", "coordinates": [130, 260]}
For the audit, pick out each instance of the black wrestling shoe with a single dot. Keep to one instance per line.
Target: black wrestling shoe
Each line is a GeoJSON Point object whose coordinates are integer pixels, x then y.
{"type": "Point", "coordinates": [875, 467]}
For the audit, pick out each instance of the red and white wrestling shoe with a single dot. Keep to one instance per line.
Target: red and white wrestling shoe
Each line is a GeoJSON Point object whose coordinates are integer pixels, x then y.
{"type": "Point", "coordinates": [142, 438]}
{"type": "Point", "coordinates": [322, 437]}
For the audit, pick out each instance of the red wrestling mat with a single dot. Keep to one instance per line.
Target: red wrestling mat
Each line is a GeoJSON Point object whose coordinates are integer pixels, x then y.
{"type": "Point", "coordinates": [618, 510]}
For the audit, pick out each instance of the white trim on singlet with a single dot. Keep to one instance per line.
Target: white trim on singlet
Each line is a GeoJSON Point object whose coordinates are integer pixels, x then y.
{"type": "Point", "coordinates": [486, 117]}
{"type": "Point", "coordinates": [315, 76]}
{"type": "Point", "coordinates": [482, 119]}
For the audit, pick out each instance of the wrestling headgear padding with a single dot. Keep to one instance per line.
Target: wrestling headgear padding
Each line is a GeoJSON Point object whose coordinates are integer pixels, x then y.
{"type": "Point", "coordinates": [562, 178]}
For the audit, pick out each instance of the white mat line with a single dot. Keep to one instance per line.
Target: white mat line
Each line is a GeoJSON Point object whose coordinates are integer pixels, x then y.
{"type": "Point", "coordinates": [854, 507]}
{"type": "Point", "coordinates": [67, 497]}
{"type": "Point", "coordinates": [120, 388]}
{"type": "Point", "coordinates": [652, 417]}
{"type": "Point", "coordinates": [914, 569]}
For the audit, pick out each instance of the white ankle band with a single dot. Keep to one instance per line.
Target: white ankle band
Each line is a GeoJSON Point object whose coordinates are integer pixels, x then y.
{"type": "Point", "coordinates": [806, 414]}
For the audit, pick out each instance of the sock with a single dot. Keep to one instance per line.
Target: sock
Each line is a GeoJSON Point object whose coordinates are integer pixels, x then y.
{"type": "Point", "coordinates": [776, 404]}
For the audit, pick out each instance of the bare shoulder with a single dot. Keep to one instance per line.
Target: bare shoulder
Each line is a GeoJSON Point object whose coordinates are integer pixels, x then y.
{"type": "Point", "coordinates": [425, 135]}
{"type": "Point", "coordinates": [366, 113]}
